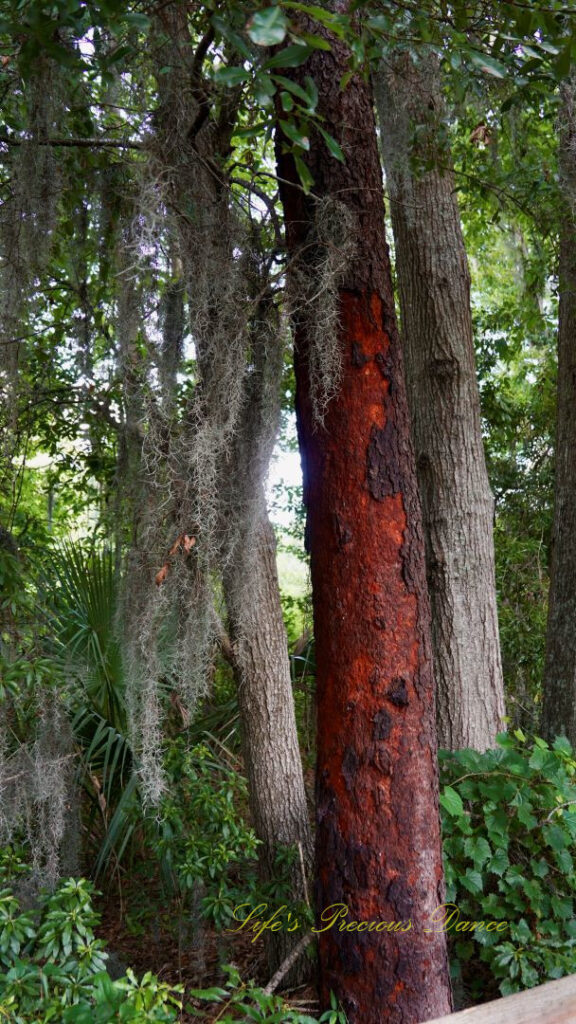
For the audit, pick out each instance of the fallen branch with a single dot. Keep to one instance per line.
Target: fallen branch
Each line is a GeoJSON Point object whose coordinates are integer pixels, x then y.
{"type": "Point", "coordinates": [287, 964]}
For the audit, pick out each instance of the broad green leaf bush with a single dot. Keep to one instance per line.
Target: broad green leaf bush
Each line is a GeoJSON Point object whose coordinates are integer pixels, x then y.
{"type": "Point", "coordinates": [204, 842]}
{"type": "Point", "coordinates": [207, 849]}
{"type": "Point", "coordinates": [52, 967]}
{"type": "Point", "coordinates": [509, 827]}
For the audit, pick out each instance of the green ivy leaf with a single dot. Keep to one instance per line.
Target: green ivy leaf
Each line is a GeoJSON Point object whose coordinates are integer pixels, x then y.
{"type": "Point", "coordinates": [555, 837]}
{"type": "Point", "coordinates": [451, 801]}
{"type": "Point", "coordinates": [472, 881]}
{"type": "Point", "coordinates": [562, 744]}
{"type": "Point", "coordinates": [478, 849]}
{"type": "Point", "coordinates": [499, 863]}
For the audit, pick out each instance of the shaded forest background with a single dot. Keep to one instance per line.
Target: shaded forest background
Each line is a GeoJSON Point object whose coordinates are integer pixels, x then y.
{"type": "Point", "coordinates": [158, 658]}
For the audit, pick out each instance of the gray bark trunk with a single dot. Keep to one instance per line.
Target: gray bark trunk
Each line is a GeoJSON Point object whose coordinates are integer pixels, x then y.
{"type": "Point", "coordinates": [559, 704]}
{"type": "Point", "coordinates": [270, 740]}
{"type": "Point", "coordinates": [434, 292]}
{"type": "Point", "coordinates": [195, 158]}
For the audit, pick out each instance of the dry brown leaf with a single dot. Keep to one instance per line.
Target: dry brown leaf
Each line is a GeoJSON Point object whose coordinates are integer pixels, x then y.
{"type": "Point", "coordinates": [161, 575]}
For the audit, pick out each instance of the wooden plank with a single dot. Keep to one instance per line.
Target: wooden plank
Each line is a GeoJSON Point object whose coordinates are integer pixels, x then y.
{"type": "Point", "coordinates": [552, 1003]}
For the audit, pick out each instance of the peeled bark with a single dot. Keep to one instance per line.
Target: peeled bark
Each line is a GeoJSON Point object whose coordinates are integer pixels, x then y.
{"type": "Point", "coordinates": [378, 837]}
{"type": "Point", "coordinates": [457, 503]}
{"type": "Point", "coordinates": [559, 703]}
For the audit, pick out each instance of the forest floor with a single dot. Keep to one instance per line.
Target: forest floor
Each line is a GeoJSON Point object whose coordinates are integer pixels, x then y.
{"type": "Point", "coordinates": [140, 935]}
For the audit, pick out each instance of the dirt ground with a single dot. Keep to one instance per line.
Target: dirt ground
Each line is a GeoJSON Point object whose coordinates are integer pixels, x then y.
{"type": "Point", "coordinates": [140, 936]}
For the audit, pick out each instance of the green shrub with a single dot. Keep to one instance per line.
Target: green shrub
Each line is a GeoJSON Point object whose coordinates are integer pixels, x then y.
{"type": "Point", "coordinates": [52, 968]}
{"type": "Point", "coordinates": [206, 846]}
{"type": "Point", "coordinates": [509, 826]}
{"type": "Point", "coordinates": [240, 1001]}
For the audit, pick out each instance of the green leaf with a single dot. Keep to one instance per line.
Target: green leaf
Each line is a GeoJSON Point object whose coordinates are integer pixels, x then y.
{"type": "Point", "coordinates": [315, 42]}
{"type": "Point", "coordinates": [303, 173]}
{"type": "Point", "coordinates": [472, 881]}
{"type": "Point", "coordinates": [308, 96]}
{"type": "Point", "coordinates": [289, 57]}
{"type": "Point", "coordinates": [264, 90]}
{"type": "Point", "coordinates": [564, 861]}
{"type": "Point", "coordinates": [336, 23]}
{"type": "Point", "coordinates": [293, 132]}
{"type": "Point", "coordinates": [562, 744]}
{"type": "Point", "coordinates": [489, 65]}
{"type": "Point", "coordinates": [333, 146]}
{"type": "Point", "coordinates": [268, 27]}
{"type": "Point", "coordinates": [230, 76]}
{"type": "Point", "coordinates": [569, 818]}
{"type": "Point", "coordinates": [498, 863]}
{"type": "Point", "coordinates": [451, 801]}
{"type": "Point", "coordinates": [526, 817]}
{"type": "Point", "coordinates": [210, 994]}
{"type": "Point", "coordinates": [563, 908]}
{"type": "Point", "coordinates": [548, 47]}
{"type": "Point", "coordinates": [555, 837]}
{"type": "Point", "coordinates": [539, 758]}
{"type": "Point", "coordinates": [478, 848]}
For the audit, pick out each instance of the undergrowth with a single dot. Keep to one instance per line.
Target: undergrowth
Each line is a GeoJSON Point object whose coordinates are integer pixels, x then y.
{"type": "Point", "coordinates": [509, 827]}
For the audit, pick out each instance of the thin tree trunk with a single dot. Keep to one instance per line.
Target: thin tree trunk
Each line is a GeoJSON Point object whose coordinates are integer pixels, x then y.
{"type": "Point", "coordinates": [559, 704]}
{"type": "Point", "coordinates": [378, 836]}
{"type": "Point", "coordinates": [270, 740]}
{"type": "Point", "coordinates": [457, 503]}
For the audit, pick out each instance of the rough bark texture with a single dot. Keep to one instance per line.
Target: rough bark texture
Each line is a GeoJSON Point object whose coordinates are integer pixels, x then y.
{"type": "Point", "coordinates": [271, 752]}
{"type": "Point", "coordinates": [559, 705]}
{"type": "Point", "coordinates": [378, 839]}
{"type": "Point", "coordinates": [270, 740]}
{"type": "Point", "coordinates": [457, 504]}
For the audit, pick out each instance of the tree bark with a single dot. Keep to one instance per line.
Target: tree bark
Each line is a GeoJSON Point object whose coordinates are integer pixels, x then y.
{"type": "Point", "coordinates": [260, 651]}
{"type": "Point", "coordinates": [559, 703]}
{"type": "Point", "coordinates": [378, 837]}
{"type": "Point", "coordinates": [269, 736]}
{"type": "Point", "coordinates": [457, 503]}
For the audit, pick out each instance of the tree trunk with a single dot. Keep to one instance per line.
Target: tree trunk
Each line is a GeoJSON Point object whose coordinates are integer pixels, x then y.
{"type": "Point", "coordinates": [378, 836]}
{"type": "Point", "coordinates": [559, 704]}
{"type": "Point", "coordinates": [270, 740]}
{"type": "Point", "coordinates": [457, 504]}
{"type": "Point", "coordinates": [195, 159]}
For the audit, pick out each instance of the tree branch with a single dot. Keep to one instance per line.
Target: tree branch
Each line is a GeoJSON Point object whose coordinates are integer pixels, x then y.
{"type": "Point", "coordinates": [287, 964]}
{"type": "Point", "coordinates": [80, 143]}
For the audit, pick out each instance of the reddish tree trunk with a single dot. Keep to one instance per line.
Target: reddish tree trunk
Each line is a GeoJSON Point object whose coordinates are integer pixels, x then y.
{"type": "Point", "coordinates": [378, 836]}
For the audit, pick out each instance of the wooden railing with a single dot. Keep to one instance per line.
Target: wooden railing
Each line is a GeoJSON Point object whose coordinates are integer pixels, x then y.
{"type": "Point", "coordinates": [553, 1003]}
